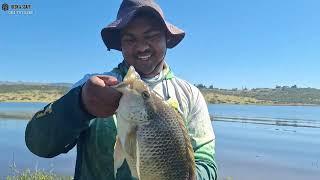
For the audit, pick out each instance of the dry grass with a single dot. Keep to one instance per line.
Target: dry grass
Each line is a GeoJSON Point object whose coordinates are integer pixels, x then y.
{"type": "Point", "coordinates": [49, 96]}
{"type": "Point", "coordinates": [216, 98]}
{"type": "Point", "coordinates": [30, 96]}
{"type": "Point", "coordinates": [37, 174]}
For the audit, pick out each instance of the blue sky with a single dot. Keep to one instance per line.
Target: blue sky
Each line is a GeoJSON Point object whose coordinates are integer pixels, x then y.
{"type": "Point", "coordinates": [228, 43]}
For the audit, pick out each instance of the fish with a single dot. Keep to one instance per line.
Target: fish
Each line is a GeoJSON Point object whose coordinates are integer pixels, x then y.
{"type": "Point", "coordinates": [151, 135]}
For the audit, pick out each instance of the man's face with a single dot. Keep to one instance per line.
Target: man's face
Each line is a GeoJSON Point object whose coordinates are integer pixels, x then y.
{"type": "Point", "coordinates": [143, 44]}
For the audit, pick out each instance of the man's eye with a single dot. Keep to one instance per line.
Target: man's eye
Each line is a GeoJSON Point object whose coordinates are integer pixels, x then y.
{"type": "Point", "coordinates": [153, 36]}
{"type": "Point", "coordinates": [128, 41]}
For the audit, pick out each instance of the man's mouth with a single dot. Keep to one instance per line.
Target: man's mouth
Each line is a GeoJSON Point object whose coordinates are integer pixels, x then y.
{"type": "Point", "coordinates": [144, 57]}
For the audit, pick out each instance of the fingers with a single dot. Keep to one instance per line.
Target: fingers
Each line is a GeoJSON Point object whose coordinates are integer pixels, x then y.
{"type": "Point", "coordinates": [98, 97]}
{"type": "Point", "coordinates": [108, 80]}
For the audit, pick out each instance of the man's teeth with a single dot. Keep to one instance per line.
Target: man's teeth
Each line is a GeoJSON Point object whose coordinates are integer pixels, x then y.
{"type": "Point", "coordinates": [146, 57]}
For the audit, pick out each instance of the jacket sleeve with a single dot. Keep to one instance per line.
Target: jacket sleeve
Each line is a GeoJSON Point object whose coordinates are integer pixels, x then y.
{"type": "Point", "coordinates": [205, 162]}
{"type": "Point", "coordinates": [56, 128]}
{"type": "Point", "coordinates": [202, 137]}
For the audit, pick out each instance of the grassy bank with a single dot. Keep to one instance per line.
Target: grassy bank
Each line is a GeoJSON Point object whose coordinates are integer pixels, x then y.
{"type": "Point", "coordinates": [265, 96]}
{"type": "Point", "coordinates": [49, 96]}
{"type": "Point", "coordinates": [216, 98]}
{"type": "Point", "coordinates": [31, 93]}
{"type": "Point", "coordinates": [269, 96]}
{"type": "Point", "coordinates": [30, 96]}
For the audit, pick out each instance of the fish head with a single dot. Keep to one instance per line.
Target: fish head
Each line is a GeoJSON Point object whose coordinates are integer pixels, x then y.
{"type": "Point", "coordinates": [135, 95]}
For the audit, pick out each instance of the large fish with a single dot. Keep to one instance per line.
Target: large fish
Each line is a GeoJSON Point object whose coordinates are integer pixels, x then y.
{"type": "Point", "coordinates": [152, 136]}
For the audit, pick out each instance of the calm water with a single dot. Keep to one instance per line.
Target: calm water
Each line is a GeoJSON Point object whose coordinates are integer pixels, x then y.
{"type": "Point", "coordinates": [20, 107]}
{"type": "Point", "coordinates": [297, 116]}
{"type": "Point", "coordinates": [13, 149]}
{"type": "Point", "coordinates": [272, 112]}
{"type": "Point", "coordinates": [242, 143]}
{"type": "Point", "coordinates": [269, 150]}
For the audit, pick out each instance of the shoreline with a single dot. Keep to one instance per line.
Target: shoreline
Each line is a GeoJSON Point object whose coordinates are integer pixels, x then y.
{"type": "Point", "coordinates": [279, 122]}
{"type": "Point", "coordinates": [256, 104]}
{"type": "Point", "coordinates": [16, 116]}
{"type": "Point", "coordinates": [266, 104]}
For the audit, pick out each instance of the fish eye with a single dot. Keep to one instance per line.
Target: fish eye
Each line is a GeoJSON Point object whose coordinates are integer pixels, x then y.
{"type": "Point", "coordinates": [145, 95]}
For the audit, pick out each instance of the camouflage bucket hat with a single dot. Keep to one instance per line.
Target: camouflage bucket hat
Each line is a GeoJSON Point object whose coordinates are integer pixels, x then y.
{"type": "Point", "coordinates": [128, 9]}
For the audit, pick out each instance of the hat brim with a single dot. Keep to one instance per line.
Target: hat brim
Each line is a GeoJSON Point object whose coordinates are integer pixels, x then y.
{"type": "Point", "coordinates": [111, 34]}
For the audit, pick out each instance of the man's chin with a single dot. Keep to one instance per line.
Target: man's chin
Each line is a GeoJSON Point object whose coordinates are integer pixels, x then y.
{"type": "Point", "coordinates": [147, 74]}
{"type": "Point", "coordinates": [149, 71]}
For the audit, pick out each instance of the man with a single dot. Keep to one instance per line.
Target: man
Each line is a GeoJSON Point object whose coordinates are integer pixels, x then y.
{"type": "Point", "coordinates": [84, 116]}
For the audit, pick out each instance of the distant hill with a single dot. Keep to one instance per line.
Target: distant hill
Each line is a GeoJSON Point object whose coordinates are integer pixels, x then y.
{"type": "Point", "coordinates": [20, 88]}
{"type": "Point", "coordinates": [69, 85]}
{"type": "Point", "coordinates": [280, 95]}
{"type": "Point", "coordinates": [34, 83]}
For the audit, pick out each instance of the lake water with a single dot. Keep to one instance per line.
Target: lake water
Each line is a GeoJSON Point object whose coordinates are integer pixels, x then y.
{"type": "Point", "coordinates": [14, 151]}
{"type": "Point", "coordinates": [252, 142]}
{"type": "Point", "coordinates": [267, 142]}
{"type": "Point", "coordinates": [297, 116]}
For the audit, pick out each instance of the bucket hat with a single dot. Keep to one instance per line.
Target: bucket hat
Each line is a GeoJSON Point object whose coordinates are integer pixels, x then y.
{"type": "Point", "coordinates": [128, 9]}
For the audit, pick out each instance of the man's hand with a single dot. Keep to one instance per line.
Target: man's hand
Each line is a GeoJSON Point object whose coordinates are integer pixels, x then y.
{"type": "Point", "coordinates": [99, 98]}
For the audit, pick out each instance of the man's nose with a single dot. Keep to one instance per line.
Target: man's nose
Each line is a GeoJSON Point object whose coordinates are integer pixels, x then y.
{"type": "Point", "coordinates": [142, 46]}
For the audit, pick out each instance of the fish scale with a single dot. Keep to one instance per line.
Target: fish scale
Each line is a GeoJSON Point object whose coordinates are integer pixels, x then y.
{"type": "Point", "coordinates": [159, 153]}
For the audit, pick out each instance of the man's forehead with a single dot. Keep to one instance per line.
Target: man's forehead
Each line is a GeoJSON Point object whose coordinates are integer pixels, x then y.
{"type": "Point", "coordinates": [143, 24]}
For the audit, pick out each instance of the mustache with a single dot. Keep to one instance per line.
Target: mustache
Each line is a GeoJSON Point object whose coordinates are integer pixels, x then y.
{"type": "Point", "coordinates": [146, 52]}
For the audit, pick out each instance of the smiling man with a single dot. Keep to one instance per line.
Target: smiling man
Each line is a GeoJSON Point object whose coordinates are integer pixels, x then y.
{"type": "Point", "coordinates": [84, 116]}
{"type": "Point", "coordinates": [143, 44]}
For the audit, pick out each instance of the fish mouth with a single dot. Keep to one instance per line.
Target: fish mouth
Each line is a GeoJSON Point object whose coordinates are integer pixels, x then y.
{"type": "Point", "coordinates": [128, 80]}
{"type": "Point", "coordinates": [120, 87]}
{"type": "Point", "coordinates": [131, 82]}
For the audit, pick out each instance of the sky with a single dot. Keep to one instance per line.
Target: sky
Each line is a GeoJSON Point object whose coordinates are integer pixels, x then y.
{"type": "Point", "coordinates": [228, 43]}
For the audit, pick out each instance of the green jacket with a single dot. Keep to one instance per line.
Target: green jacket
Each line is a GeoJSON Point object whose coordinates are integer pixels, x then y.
{"type": "Point", "coordinates": [64, 123]}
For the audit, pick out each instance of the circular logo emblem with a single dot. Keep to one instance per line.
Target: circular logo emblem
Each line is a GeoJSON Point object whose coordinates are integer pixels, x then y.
{"type": "Point", "coordinates": [5, 7]}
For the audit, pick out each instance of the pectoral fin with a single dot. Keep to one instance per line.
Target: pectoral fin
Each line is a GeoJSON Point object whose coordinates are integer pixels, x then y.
{"type": "Point", "coordinates": [118, 156]}
{"type": "Point", "coordinates": [130, 144]}
{"type": "Point", "coordinates": [130, 148]}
